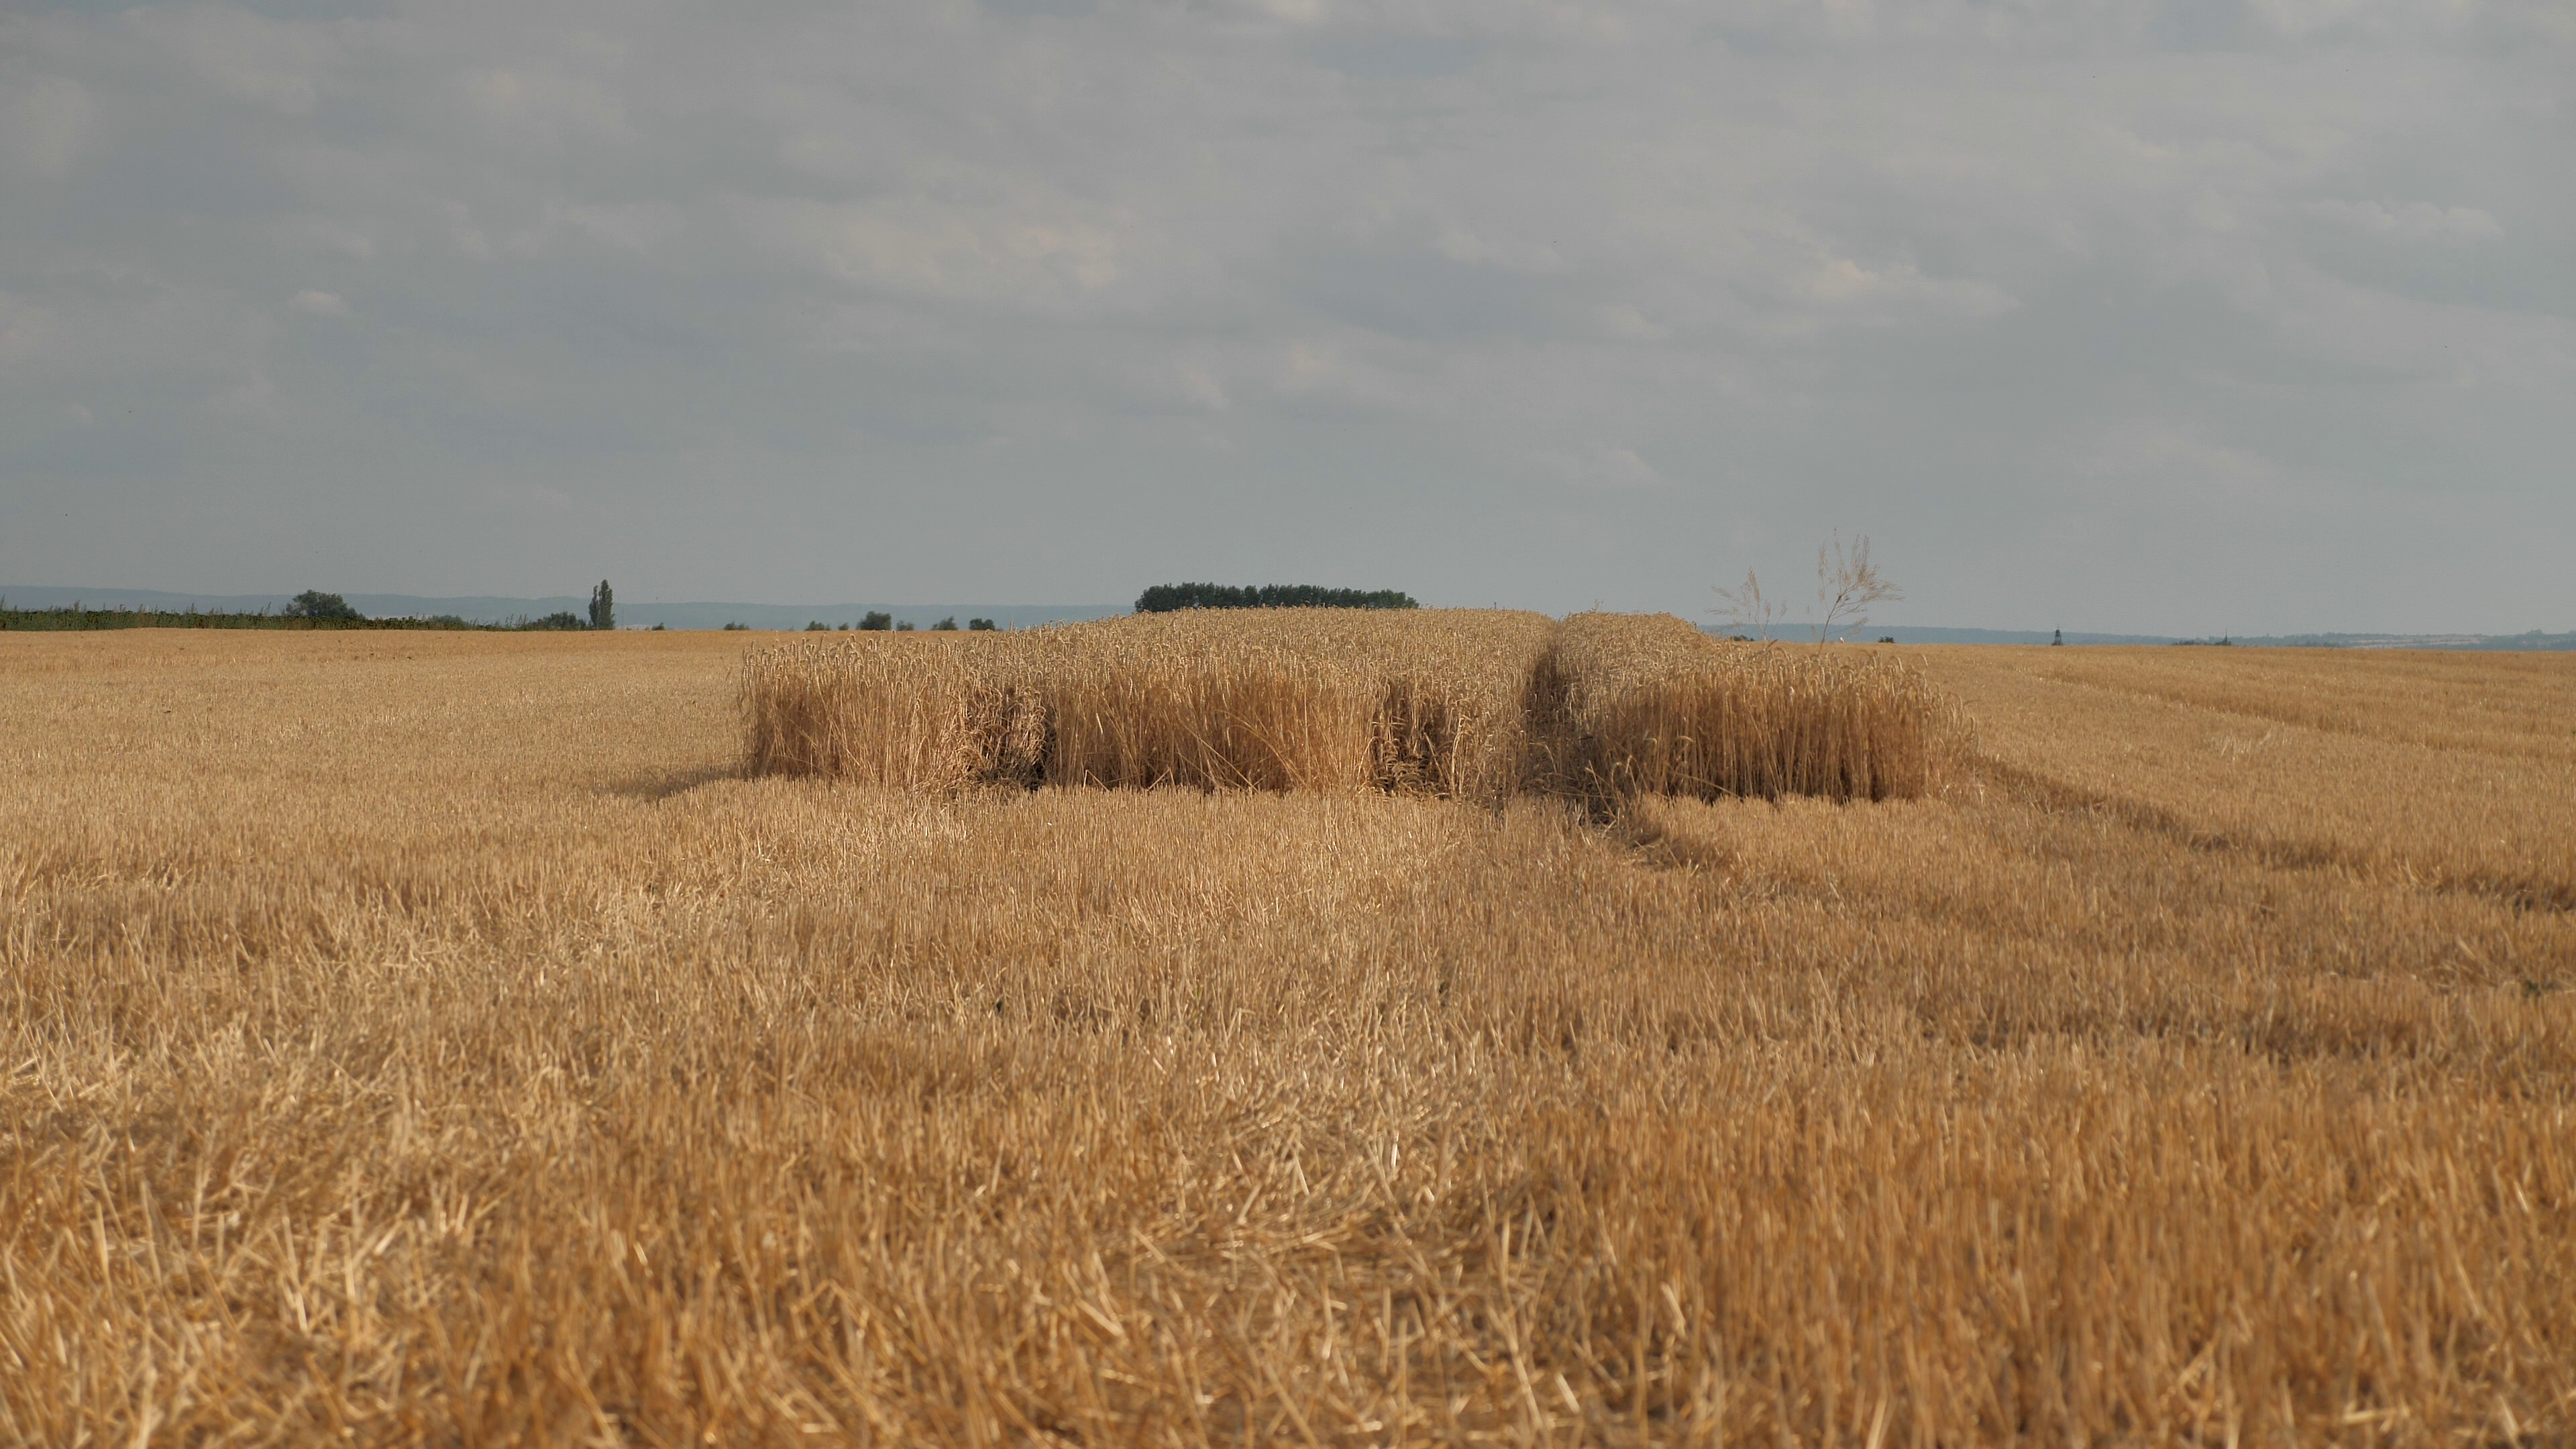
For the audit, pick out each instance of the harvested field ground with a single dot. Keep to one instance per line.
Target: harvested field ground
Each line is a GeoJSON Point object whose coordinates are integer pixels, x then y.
{"type": "Point", "coordinates": [437, 1038]}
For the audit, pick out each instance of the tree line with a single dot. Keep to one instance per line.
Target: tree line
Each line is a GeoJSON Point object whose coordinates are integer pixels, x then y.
{"type": "Point", "coordinates": [1165, 598]}
{"type": "Point", "coordinates": [311, 609]}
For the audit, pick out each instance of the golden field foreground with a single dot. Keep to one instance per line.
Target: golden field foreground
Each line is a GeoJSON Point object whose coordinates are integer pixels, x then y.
{"type": "Point", "coordinates": [438, 1038]}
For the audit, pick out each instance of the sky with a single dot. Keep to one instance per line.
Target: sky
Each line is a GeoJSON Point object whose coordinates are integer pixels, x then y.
{"type": "Point", "coordinates": [2164, 316]}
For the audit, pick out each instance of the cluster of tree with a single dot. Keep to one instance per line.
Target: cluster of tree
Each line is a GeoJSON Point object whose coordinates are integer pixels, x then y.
{"type": "Point", "coordinates": [315, 604]}
{"type": "Point", "coordinates": [603, 611]}
{"type": "Point", "coordinates": [317, 607]}
{"type": "Point", "coordinates": [879, 619]}
{"type": "Point", "coordinates": [1164, 598]}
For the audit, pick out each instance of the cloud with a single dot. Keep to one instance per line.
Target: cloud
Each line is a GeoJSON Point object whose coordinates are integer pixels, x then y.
{"type": "Point", "coordinates": [2145, 458]}
{"type": "Point", "coordinates": [1844, 285]}
{"type": "Point", "coordinates": [22, 328]}
{"type": "Point", "coordinates": [1200, 386]}
{"type": "Point", "coordinates": [43, 121]}
{"type": "Point", "coordinates": [277, 65]}
{"type": "Point", "coordinates": [547, 106]}
{"type": "Point", "coordinates": [2414, 221]}
{"type": "Point", "coordinates": [1030, 298]}
{"type": "Point", "coordinates": [1029, 249]}
{"type": "Point", "coordinates": [1604, 467]}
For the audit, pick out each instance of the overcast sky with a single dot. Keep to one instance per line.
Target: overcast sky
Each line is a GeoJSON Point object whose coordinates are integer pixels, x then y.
{"type": "Point", "coordinates": [2177, 318]}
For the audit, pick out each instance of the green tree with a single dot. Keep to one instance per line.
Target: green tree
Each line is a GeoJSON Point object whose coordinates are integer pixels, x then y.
{"type": "Point", "coordinates": [603, 606]}
{"type": "Point", "coordinates": [876, 619]}
{"type": "Point", "coordinates": [949, 623]}
{"type": "Point", "coordinates": [315, 604]}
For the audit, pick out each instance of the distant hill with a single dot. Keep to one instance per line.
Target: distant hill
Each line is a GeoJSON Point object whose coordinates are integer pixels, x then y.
{"type": "Point", "coordinates": [1905, 634]}
{"type": "Point", "coordinates": [2532, 639]}
{"type": "Point", "coordinates": [631, 614]}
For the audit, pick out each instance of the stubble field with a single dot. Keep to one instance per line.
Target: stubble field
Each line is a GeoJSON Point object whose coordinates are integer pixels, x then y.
{"type": "Point", "coordinates": [420, 1038]}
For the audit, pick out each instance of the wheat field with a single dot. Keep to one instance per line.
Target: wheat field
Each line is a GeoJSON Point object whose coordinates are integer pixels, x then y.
{"type": "Point", "coordinates": [459, 1040]}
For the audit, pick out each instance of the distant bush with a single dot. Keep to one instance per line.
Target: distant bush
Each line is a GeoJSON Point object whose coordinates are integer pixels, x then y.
{"type": "Point", "coordinates": [818, 627]}
{"type": "Point", "coordinates": [1164, 598]}
{"type": "Point", "coordinates": [560, 619]}
{"type": "Point", "coordinates": [904, 628]}
{"type": "Point", "coordinates": [876, 619]}
{"type": "Point", "coordinates": [314, 604]}
{"type": "Point", "coordinates": [731, 627]}
{"type": "Point", "coordinates": [982, 624]}
{"type": "Point", "coordinates": [949, 623]}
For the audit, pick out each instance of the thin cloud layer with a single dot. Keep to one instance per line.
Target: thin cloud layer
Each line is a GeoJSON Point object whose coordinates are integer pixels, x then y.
{"type": "Point", "coordinates": [2163, 318]}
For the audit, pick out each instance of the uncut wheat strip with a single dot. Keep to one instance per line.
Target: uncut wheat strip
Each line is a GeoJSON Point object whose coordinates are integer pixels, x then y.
{"type": "Point", "coordinates": [920, 713]}
{"type": "Point", "coordinates": [1456, 706]}
{"type": "Point", "coordinates": [1288, 698]}
{"type": "Point", "coordinates": [1210, 718]}
{"type": "Point", "coordinates": [1650, 704]}
{"type": "Point", "coordinates": [1268, 700]}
